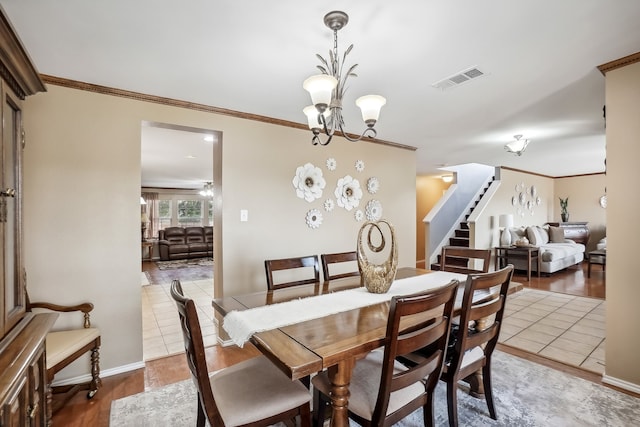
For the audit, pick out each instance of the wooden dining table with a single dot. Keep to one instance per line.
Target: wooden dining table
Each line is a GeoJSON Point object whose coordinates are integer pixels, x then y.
{"type": "Point", "coordinates": [334, 342]}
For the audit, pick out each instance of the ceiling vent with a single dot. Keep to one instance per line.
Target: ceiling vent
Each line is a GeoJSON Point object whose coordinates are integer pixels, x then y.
{"type": "Point", "coordinates": [459, 78]}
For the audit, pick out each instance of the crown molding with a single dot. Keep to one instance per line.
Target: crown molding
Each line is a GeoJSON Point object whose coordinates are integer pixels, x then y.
{"type": "Point", "coordinates": [105, 90]}
{"type": "Point", "coordinates": [619, 63]}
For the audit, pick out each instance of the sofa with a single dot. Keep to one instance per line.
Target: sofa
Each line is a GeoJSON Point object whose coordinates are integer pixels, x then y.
{"type": "Point", "coordinates": [185, 242]}
{"type": "Point", "coordinates": [557, 253]}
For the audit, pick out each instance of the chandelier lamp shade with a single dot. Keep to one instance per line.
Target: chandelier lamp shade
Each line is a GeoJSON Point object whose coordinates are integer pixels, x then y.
{"type": "Point", "coordinates": [518, 146]}
{"type": "Point", "coordinates": [327, 91]}
{"type": "Point", "coordinates": [207, 190]}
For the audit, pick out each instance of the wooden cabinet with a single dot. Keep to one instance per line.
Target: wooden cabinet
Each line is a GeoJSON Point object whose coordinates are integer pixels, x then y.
{"type": "Point", "coordinates": [23, 384]}
{"type": "Point", "coordinates": [576, 231]}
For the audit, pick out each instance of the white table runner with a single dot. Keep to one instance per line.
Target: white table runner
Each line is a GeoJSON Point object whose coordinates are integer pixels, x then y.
{"type": "Point", "coordinates": [240, 325]}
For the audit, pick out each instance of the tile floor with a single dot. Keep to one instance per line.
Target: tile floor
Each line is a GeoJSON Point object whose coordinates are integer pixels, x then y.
{"type": "Point", "coordinates": [162, 335]}
{"type": "Point", "coordinates": [566, 328]}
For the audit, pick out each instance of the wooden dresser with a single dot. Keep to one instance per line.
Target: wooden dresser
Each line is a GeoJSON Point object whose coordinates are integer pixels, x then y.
{"type": "Point", "coordinates": [576, 231]}
{"type": "Point", "coordinates": [23, 381]}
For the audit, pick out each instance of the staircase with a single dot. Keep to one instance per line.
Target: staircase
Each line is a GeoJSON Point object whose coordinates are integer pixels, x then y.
{"type": "Point", "coordinates": [461, 235]}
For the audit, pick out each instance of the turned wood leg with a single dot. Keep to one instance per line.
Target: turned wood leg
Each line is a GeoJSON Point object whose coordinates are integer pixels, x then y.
{"type": "Point", "coordinates": [340, 376]}
{"type": "Point", "coordinates": [96, 382]}
{"type": "Point", "coordinates": [476, 387]}
{"type": "Point", "coordinates": [49, 398]}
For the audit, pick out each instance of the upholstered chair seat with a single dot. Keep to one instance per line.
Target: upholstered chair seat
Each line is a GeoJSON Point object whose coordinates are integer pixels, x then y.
{"type": "Point", "coordinates": [61, 344]}
{"type": "Point", "coordinates": [254, 390]}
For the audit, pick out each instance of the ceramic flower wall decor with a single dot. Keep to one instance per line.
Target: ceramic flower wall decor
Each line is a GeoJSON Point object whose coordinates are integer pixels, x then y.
{"type": "Point", "coordinates": [329, 204]}
{"type": "Point", "coordinates": [348, 192]}
{"type": "Point", "coordinates": [331, 164]}
{"type": "Point", "coordinates": [359, 215]}
{"type": "Point", "coordinates": [373, 185]}
{"type": "Point", "coordinates": [373, 210]}
{"type": "Point", "coordinates": [314, 218]}
{"type": "Point", "coordinates": [309, 182]}
{"type": "Point", "coordinates": [359, 165]}
{"type": "Point", "coordinates": [525, 199]}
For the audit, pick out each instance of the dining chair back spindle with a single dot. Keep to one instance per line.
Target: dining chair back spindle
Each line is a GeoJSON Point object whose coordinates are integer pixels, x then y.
{"type": "Point", "coordinates": [302, 271]}
{"type": "Point", "coordinates": [400, 390]}
{"type": "Point", "coordinates": [251, 393]}
{"type": "Point", "coordinates": [345, 260]}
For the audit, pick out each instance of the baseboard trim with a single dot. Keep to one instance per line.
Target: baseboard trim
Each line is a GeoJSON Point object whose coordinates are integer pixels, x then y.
{"type": "Point", "coordinates": [617, 382]}
{"type": "Point", "coordinates": [225, 343]}
{"type": "Point", "coordinates": [103, 374]}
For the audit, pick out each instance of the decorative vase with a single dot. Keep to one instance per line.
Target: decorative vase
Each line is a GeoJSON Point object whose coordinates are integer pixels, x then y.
{"type": "Point", "coordinates": [565, 217]}
{"type": "Point", "coordinates": [377, 278]}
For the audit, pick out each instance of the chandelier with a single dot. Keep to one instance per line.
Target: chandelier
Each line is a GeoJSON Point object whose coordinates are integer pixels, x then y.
{"type": "Point", "coordinates": [327, 90]}
{"type": "Point", "coordinates": [518, 146]}
{"type": "Point", "coordinates": [207, 190]}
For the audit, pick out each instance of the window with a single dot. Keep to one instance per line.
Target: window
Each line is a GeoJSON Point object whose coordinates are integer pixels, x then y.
{"type": "Point", "coordinates": [190, 213]}
{"type": "Point", "coordinates": [164, 214]}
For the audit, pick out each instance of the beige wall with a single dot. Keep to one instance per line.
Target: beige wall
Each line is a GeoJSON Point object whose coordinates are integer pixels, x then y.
{"type": "Point", "coordinates": [429, 189]}
{"type": "Point", "coordinates": [82, 189]}
{"type": "Point", "coordinates": [584, 194]}
{"type": "Point", "coordinates": [486, 217]}
{"type": "Point", "coordinates": [623, 176]}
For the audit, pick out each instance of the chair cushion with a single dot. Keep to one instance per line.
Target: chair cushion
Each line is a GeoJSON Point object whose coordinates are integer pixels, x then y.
{"type": "Point", "coordinates": [255, 389]}
{"type": "Point", "coordinates": [556, 235]}
{"type": "Point", "coordinates": [365, 383]}
{"type": "Point", "coordinates": [61, 344]}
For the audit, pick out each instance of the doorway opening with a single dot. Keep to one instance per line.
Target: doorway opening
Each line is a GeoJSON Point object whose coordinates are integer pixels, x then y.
{"type": "Point", "coordinates": [181, 189]}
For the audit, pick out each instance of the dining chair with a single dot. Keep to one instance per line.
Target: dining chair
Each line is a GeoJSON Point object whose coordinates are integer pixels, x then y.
{"type": "Point", "coordinates": [384, 391]}
{"type": "Point", "coordinates": [459, 259]}
{"type": "Point", "coordinates": [343, 258]}
{"type": "Point", "coordinates": [474, 344]}
{"type": "Point", "coordinates": [250, 393]}
{"type": "Point", "coordinates": [66, 345]}
{"type": "Point", "coordinates": [304, 270]}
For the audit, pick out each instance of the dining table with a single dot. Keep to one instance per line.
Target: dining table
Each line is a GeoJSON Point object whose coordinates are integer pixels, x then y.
{"type": "Point", "coordinates": [333, 342]}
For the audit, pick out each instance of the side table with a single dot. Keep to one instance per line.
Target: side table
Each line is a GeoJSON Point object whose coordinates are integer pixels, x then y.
{"type": "Point", "coordinates": [503, 254]}
{"type": "Point", "coordinates": [597, 257]}
{"type": "Point", "coordinates": [147, 250]}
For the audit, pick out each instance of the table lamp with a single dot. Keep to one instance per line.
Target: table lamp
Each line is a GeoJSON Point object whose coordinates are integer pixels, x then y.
{"type": "Point", "coordinates": [505, 222]}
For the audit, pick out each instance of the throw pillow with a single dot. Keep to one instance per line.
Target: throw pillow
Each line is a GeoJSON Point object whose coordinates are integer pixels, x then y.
{"type": "Point", "coordinates": [556, 235]}
{"type": "Point", "coordinates": [533, 234]}
{"type": "Point", "coordinates": [544, 235]}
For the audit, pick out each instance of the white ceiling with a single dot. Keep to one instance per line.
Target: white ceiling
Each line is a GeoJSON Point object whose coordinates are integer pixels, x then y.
{"type": "Point", "coordinates": [540, 57]}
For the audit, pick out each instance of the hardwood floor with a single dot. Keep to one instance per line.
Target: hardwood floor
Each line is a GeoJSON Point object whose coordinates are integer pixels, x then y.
{"type": "Point", "coordinates": [80, 412]}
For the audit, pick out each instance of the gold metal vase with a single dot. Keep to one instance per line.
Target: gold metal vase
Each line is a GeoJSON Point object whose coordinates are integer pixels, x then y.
{"type": "Point", "coordinates": [377, 278]}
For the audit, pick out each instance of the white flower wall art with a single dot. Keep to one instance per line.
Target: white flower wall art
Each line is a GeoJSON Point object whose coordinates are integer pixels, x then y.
{"type": "Point", "coordinates": [314, 218]}
{"type": "Point", "coordinates": [329, 204]}
{"type": "Point", "coordinates": [331, 164]}
{"type": "Point", "coordinates": [348, 192]}
{"type": "Point", "coordinates": [309, 182]}
{"type": "Point", "coordinates": [373, 185]}
{"type": "Point", "coordinates": [359, 165]}
{"type": "Point", "coordinates": [373, 210]}
{"type": "Point", "coordinates": [359, 215]}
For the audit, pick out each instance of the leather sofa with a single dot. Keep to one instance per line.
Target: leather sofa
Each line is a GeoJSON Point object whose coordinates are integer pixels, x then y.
{"type": "Point", "coordinates": [185, 242]}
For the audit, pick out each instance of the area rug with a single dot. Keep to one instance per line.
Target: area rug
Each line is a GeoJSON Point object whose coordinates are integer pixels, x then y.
{"type": "Point", "coordinates": [525, 394]}
{"type": "Point", "coordinates": [184, 263]}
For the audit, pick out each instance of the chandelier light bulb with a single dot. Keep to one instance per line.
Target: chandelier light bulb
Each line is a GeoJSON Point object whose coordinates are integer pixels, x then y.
{"type": "Point", "coordinates": [370, 106]}
{"type": "Point", "coordinates": [320, 87]}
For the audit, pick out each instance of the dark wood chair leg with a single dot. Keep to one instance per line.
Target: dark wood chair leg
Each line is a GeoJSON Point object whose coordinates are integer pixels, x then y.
{"type": "Point", "coordinates": [96, 382]}
{"type": "Point", "coordinates": [452, 402]}
{"type": "Point", "coordinates": [488, 391]}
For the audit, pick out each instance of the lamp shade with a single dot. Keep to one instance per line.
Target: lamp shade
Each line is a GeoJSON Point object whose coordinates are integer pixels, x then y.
{"type": "Point", "coordinates": [370, 106]}
{"type": "Point", "coordinates": [505, 220]}
{"type": "Point", "coordinates": [312, 116]}
{"type": "Point", "coordinates": [320, 87]}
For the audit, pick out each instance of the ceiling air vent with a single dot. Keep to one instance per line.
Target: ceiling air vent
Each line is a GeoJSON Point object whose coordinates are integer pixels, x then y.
{"type": "Point", "coordinates": [459, 78]}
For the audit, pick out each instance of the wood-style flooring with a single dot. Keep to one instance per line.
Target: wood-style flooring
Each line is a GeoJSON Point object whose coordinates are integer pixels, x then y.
{"type": "Point", "coordinates": [80, 412]}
